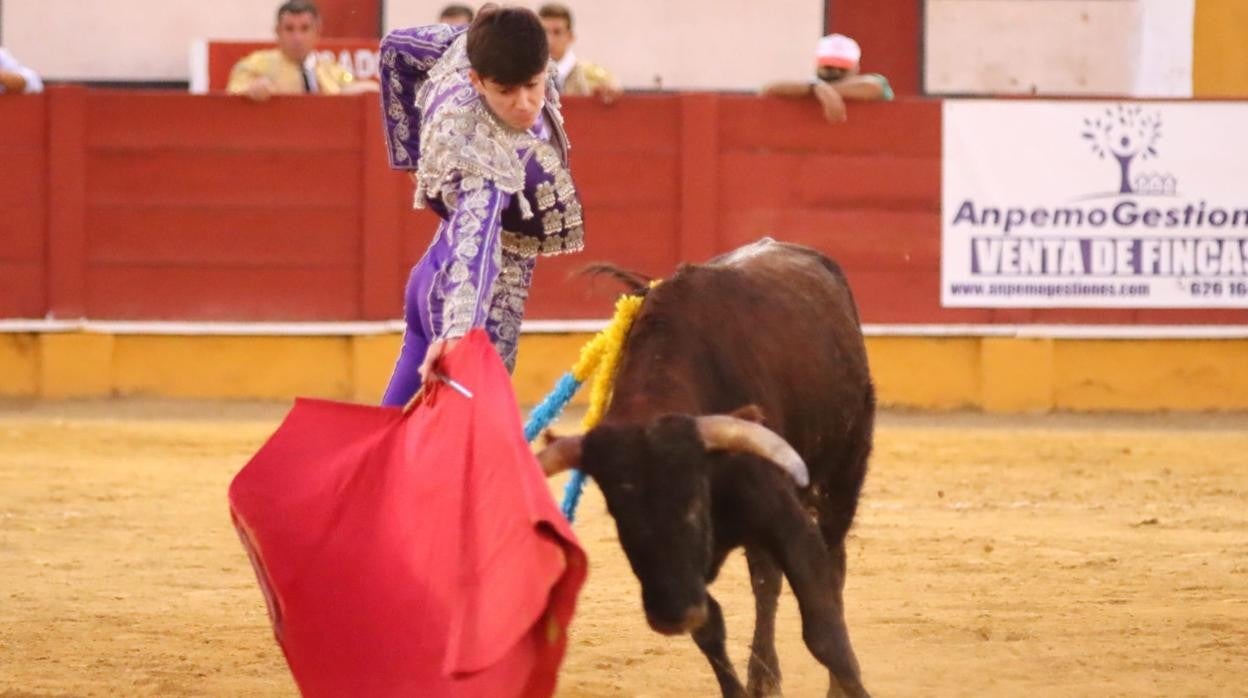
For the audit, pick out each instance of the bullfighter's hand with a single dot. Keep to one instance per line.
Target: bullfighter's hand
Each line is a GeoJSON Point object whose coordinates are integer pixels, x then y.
{"type": "Point", "coordinates": [436, 351]}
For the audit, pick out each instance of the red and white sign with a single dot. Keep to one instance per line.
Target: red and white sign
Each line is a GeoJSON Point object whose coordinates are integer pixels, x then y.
{"type": "Point", "coordinates": [211, 61]}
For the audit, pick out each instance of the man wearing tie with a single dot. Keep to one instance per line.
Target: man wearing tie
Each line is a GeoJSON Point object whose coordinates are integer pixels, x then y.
{"type": "Point", "coordinates": [294, 67]}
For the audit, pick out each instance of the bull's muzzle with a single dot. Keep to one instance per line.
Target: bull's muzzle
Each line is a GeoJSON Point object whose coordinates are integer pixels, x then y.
{"type": "Point", "coordinates": [693, 619]}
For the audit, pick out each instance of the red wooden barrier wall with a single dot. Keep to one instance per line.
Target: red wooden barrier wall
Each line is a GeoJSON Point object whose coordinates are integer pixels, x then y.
{"type": "Point", "coordinates": [23, 206]}
{"type": "Point", "coordinates": [150, 206]}
{"type": "Point", "coordinates": [221, 209]}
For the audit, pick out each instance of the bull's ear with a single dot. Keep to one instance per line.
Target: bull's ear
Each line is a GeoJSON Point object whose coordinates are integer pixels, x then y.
{"type": "Point", "coordinates": [750, 413]}
{"type": "Point", "coordinates": [560, 455]}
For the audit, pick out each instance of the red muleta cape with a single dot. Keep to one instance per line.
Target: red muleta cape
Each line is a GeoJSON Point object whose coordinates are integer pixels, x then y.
{"type": "Point", "coordinates": [416, 554]}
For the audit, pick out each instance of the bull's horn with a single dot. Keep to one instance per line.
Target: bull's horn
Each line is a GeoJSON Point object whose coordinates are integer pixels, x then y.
{"type": "Point", "coordinates": [721, 432]}
{"type": "Point", "coordinates": [560, 455]}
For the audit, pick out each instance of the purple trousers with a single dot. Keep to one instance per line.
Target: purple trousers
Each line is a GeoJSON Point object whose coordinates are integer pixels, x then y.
{"type": "Point", "coordinates": [422, 304]}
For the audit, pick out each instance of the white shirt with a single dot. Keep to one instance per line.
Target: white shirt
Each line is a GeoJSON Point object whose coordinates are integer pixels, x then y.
{"type": "Point", "coordinates": [9, 63]}
{"type": "Point", "coordinates": [309, 72]}
{"type": "Point", "coordinates": [563, 68]}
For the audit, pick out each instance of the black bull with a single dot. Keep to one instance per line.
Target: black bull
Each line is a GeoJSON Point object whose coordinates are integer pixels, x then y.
{"type": "Point", "coordinates": [769, 335]}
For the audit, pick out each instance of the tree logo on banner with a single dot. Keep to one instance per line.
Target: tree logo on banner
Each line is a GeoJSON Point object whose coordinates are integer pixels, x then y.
{"type": "Point", "coordinates": [1127, 133]}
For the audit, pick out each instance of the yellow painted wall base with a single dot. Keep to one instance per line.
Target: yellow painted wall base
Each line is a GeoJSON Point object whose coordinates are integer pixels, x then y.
{"type": "Point", "coordinates": [19, 365]}
{"type": "Point", "coordinates": [1220, 49]}
{"type": "Point", "coordinates": [1016, 375]}
{"type": "Point", "coordinates": [994, 374]}
{"type": "Point", "coordinates": [925, 373]}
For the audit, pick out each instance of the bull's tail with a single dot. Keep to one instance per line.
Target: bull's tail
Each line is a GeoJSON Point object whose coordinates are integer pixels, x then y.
{"type": "Point", "coordinates": [636, 282]}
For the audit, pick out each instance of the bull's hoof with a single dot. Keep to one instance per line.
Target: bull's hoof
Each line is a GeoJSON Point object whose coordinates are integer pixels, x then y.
{"type": "Point", "coordinates": [764, 673]}
{"type": "Point", "coordinates": [763, 683]}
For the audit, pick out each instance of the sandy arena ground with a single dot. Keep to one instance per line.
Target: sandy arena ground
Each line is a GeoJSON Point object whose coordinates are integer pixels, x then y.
{"type": "Point", "coordinates": [1046, 556]}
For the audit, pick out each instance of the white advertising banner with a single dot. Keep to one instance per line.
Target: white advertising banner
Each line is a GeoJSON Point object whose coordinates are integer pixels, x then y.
{"type": "Point", "coordinates": [1094, 204]}
{"type": "Point", "coordinates": [1132, 48]}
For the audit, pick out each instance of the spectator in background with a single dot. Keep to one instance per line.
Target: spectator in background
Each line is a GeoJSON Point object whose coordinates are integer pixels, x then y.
{"type": "Point", "coordinates": [456, 15]}
{"type": "Point", "coordinates": [16, 78]}
{"type": "Point", "coordinates": [837, 79]}
{"type": "Point", "coordinates": [294, 67]}
{"type": "Point", "coordinates": [573, 76]}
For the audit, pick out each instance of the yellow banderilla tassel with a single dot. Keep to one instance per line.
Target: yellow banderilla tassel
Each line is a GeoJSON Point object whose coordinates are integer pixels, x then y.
{"type": "Point", "coordinates": [601, 356]}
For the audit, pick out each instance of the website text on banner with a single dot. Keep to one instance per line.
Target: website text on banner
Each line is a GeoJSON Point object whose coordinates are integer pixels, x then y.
{"type": "Point", "coordinates": [1094, 204]}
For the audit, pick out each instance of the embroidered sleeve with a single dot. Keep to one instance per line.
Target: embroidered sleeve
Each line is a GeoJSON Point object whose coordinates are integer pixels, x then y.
{"type": "Point", "coordinates": [406, 57]}
{"type": "Point", "coordinates": [474, 227]}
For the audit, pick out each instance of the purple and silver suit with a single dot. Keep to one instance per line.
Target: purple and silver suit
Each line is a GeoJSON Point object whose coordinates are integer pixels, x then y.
{"type": "Point", "coordinates": [504, 196]}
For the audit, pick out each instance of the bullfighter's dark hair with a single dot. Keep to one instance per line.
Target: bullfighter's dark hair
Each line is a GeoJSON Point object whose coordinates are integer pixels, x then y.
{"type": "Point", "coordinates": [507, 45]}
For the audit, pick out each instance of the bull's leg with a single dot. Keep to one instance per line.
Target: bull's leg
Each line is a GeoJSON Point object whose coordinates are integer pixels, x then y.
{"type": "Point", "coordinates": [834, 536]}
{"type": "Point", "coordinates": [845, 681]}
{"type": "Point", "coordinates": [765, 577]}
{"type": "Point", "coordinates": [817, 578]}
{"type": "Point", "coordinates": [710, 638]}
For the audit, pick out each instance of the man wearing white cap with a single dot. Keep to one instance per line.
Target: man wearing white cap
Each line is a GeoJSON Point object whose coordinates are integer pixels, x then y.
{"type": "Point", "coordinates": [837, 79]}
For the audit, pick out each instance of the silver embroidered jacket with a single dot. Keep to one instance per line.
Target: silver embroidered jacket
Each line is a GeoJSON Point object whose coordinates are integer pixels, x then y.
{"type": "Point", "coordinates": [501, 193]}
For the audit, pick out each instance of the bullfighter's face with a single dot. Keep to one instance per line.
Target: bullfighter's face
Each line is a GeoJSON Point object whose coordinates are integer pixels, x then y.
{"type": "Point", "coordinates": [655, 483]}
{"type": "Point", "coordinates": [519, 105]}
